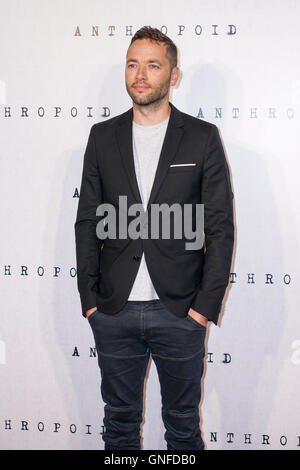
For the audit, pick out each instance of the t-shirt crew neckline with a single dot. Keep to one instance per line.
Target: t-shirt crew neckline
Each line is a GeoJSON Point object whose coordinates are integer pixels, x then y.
{"type": "Point", "coordinates": [151, 127]}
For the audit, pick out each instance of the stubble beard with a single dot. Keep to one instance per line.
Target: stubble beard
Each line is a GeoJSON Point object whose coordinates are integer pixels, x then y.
{"type": "Point", "coordinates": [154, 96]}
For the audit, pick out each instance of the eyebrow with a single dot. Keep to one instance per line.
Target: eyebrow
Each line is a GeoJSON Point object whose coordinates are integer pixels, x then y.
{"type": "Point", "coordinates": [150, 61]}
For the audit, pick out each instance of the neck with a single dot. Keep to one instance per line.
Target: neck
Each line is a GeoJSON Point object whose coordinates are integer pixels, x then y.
{"type": "Point", "coordinates": [151, 114]}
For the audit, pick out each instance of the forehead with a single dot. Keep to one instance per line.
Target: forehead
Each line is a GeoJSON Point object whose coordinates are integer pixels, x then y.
{"type": "Point", "coordinates": [146, 49]}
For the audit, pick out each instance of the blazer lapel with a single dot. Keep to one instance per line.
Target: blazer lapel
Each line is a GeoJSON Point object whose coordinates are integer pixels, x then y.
{"type": "Point", "coordinates": [170, 145]}
{"type": "Point", "coordinates": [124, 138]}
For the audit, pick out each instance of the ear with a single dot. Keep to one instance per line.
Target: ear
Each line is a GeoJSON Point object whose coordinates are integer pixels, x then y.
{"type": "Point", "coordinates": [174, 75]}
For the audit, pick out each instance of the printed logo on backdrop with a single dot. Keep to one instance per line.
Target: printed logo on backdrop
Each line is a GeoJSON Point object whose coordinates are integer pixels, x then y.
{"type": "Point", "coordinates": [215, 113]}
{"type": "Point", "coordinates": [49, 272]}
{"type": "Point", "coordinates": [193, 31]}
{"type": "Point", "coordinates": [258, 440]}
{"type": "Point", "coordinates": [267, 279]}
{"type": "Point", "coordinates": [211, 358]}
{"type": "Point", "coordinates": [227, 439]}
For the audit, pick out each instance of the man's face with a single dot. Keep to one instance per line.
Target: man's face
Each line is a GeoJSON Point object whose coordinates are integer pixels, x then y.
{"type": "Point", "coordinates": [148, 72]}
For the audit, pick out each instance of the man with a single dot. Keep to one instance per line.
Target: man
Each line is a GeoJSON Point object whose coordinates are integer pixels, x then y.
{"type": "Point", "coordinates": [152, 296]}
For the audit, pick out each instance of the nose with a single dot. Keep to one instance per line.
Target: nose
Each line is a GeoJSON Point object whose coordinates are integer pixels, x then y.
{"type": "Point", "coordinates": [141, 72]}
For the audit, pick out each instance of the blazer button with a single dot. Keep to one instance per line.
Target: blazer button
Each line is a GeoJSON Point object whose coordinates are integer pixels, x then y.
{"type": "Point", "coordinates": [136, 258]}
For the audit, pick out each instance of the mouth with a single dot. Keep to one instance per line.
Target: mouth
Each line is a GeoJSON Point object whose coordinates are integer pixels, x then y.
{"type": "Point", "coordinates": [141, 87]}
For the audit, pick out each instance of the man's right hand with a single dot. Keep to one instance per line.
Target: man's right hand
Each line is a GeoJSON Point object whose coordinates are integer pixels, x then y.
{"type": "Point", "coordinates": [90, 311]}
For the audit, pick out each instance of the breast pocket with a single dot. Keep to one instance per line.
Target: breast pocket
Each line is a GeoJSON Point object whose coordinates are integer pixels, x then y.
{"type": "Point", "coordinates": [182, 167]}
{"type": "Point", "coordinates": [181, 184]}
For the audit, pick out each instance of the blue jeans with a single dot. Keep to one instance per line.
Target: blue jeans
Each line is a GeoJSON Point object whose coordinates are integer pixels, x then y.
{"type": "Point", "coordinates": [124, 343]}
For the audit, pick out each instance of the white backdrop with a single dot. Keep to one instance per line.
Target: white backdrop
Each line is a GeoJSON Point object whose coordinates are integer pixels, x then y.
{"type": "Point", "coordinates": [57, 78]}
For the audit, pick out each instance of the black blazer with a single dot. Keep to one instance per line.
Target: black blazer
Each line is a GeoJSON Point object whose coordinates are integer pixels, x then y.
{"type": "Point", "coordinates": [182, 278]}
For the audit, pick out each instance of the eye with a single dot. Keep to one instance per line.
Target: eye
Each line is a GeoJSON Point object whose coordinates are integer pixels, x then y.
{"type": "Point", "coordinates": [130, 66]}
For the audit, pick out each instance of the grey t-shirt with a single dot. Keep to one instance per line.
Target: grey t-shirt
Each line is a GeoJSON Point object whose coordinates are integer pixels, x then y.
{"type": "Point", "coordinates": [147, 143]}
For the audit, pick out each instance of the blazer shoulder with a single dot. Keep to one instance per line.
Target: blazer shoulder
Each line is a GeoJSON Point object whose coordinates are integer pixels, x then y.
{"type": "Point", "coordinates": [110, 123]}
{"type": "Point", "coordinates": [198, 125]}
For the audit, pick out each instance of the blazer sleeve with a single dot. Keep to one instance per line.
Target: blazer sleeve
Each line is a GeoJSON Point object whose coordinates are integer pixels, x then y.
{"type": "Point", "coordinates": [217, 196]}
{"type": "Point", "coordinates": [88, 245]}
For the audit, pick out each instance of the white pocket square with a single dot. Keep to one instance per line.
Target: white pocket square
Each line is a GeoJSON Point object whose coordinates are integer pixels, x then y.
{"type": "Point", "coordinates": [182, 164]}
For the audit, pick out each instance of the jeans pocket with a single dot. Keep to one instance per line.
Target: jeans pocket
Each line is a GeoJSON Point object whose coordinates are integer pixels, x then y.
{"type": "Point", "coordinates": [93, 314]}
{"type": "Point", "coordinates": [195, 322]}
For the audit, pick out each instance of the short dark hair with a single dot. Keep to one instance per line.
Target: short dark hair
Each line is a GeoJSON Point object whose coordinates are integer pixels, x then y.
{"type": "Point", "coordinates": [147, 32]}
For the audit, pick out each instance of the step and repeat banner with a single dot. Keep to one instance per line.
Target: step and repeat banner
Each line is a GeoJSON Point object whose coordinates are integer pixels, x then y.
{"type": "Point", "coordinates": [61, 71]}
